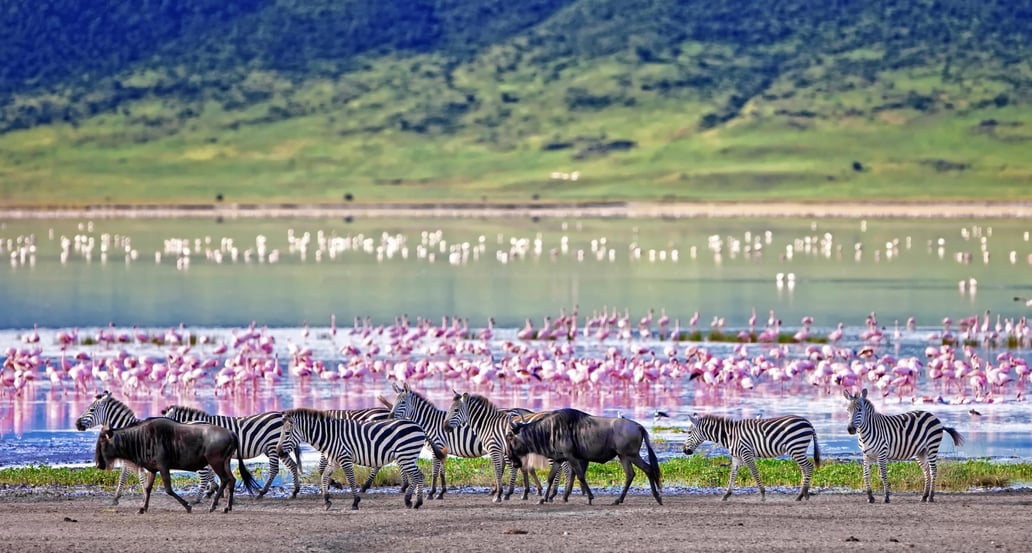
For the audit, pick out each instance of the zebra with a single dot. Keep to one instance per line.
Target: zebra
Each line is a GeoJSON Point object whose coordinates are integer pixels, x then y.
{"type": "Point", "coordinates": [347, 442]}
{"type": "Point", "coordinates": [912, 435]}
{"type": "Point", "coordinates": [490, 424]}
{"type": "Point", "coordinates": [360, 415]}
{"type": "Point", "coordinates": [463, 442]}
{"type": "Point", "coordinates": [749, 439]}
{"type": "Point", "coordinates": [257, 435]}
{"type": "Point", "coordinates": [109, 412]}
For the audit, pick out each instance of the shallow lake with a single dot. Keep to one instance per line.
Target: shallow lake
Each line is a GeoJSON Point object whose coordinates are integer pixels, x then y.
{"type": "Point", "coordinates": [289, 277]}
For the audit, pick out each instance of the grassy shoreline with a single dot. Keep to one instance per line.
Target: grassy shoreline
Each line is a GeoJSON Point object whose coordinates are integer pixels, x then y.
{"type": "Point", "coordinates": [679, 473]}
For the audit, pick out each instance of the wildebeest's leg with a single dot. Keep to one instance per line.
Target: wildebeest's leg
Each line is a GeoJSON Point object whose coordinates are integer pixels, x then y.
{"type": "Point", "coordinates": [649, 473]}
{"type": "Point", "coordinates": [166, 478]}
{"type": "Point", "coordinates": [735, 463]}
{"type": "Point", "coordinates": [628, 469]}
{"type": "Point", "coordinates": [569, 482]}
{"type": "Point", "coordinates": [148, 485]}
{"type": "Point", "coordinates": [226, 480]}
{"type": "Point", "coordinates": [580, 469]}
{"type": "Point", "coordinates": [552, 471]}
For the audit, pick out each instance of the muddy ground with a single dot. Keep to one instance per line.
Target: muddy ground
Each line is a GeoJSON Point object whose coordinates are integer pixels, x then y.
{"type": "Point", "coordinates": [69, 522]}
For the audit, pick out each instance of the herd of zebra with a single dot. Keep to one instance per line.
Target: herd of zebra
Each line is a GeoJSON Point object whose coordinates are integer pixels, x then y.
{"type": "Point", "coordinates": [472, 426]}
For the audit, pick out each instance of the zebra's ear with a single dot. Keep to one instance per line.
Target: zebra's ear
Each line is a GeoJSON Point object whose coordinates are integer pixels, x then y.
{"type": "Point", "coordinates": [405, 386]}
{"type": "Point", "coordinates": [693, 420]}
{"type": "Point", "coordinates": [465, 396]}
{"type": "Point", "coordinates": [397, 390]}
{"type": "Point", "coordinates": [457, 394]}
{"type": "Point", "coordinates": [863, 393]}
{"type": "Point", "coordinates": [847, 395]}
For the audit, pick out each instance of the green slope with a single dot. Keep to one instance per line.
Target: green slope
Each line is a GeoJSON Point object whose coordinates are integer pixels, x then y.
{"type": "Point", "coordinates": [117, 101]}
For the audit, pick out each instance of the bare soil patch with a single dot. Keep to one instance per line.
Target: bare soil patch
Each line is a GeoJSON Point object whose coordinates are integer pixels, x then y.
{"type": "Point", "coordinates": [471, 522]}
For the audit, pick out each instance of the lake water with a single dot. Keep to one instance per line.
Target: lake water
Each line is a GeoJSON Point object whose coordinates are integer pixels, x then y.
{"type": "Point", "coordinates": [102, 278]}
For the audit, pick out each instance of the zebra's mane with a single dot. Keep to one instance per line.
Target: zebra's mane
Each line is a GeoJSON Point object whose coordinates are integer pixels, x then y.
{"type": "Point", "coordinates": [419, 398]}
{"type": "Point", "coordinates": [190, 410]}
{"type": "Point", "coordinates": [309, 412]}
{"type": "Point", "coordinates": [482, 402]}
{"type": "Point", "coordinates": [106, 396]}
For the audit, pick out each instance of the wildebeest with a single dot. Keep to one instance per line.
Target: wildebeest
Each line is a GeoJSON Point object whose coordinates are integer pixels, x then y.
{"type": "Point", "coordinates": [160, 445]}
{"type": "Point", "coordinates": [579, 438]}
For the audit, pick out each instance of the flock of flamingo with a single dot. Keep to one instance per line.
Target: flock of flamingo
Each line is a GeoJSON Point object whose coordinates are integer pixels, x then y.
{"type": "Point", "coordinates": [966, 361]}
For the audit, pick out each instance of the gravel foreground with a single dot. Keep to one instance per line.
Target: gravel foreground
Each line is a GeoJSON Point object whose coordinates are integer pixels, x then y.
{"type": "Point", "coordinates": [969, 522]}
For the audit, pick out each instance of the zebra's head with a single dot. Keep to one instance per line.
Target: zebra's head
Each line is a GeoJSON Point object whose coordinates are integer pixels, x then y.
{"type": "Point", "coordinates": [694, 437]}
{"type": "Point", "coordinates": [857, 408]}
{"type": "Point", "coordinates": [402, 408]}
{"type": "Point", "coordinates": [288, 433]}
{"type": "Point", "coordinates": [458, 412]}
{"type": "Point", "coordinates": [95, 414]}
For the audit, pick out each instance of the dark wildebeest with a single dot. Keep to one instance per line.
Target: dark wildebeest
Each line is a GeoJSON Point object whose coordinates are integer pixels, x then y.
{"type": "Point", "coordinates": [579, 438]}
{"type": "Point", "coordinates": [161, 445]}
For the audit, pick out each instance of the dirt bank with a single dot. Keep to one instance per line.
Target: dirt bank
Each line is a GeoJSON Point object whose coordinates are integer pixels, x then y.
{"type": "Point", "coordinates": [967, 522]}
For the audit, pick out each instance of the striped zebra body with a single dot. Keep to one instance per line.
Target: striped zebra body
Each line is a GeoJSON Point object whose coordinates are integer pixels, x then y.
{"type": "Point", "coordinates": [360, 415]}
{"type": "Point", "coordinates": [490, 424]}
{"type": "Point", "coordinates": [749, 439]}
{"type": "Point", "coordinates": [109, 412]}
{"type": "Point", "coordinates": [461, 442]}
{"type": "Point", "coordinates": [913, 435]}
{"type": "Point", "coordinates": [257, 435]}
{"type": "Point", "coordinates": [347, 442]}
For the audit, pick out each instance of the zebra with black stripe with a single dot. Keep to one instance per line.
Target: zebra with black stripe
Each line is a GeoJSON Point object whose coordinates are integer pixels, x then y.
{"type": "Point", "coordinates": [347, 443]}
{"type": "Point", "coordinates": [256, 435]}
{"type": "Point", "coordinates": [490, 424]}
{"type": "Point", "coordinates": [361, 415]}
{"type": "Point", "coordinates": [107, 411]}
{"type": "Point", "coordinates": [749, 439]}
{"type": "Point", "coordinates": [913, 435]}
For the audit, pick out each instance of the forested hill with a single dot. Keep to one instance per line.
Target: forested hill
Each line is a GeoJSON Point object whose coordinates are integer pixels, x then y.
{"type": "Point", "coordinates": [498, 73]}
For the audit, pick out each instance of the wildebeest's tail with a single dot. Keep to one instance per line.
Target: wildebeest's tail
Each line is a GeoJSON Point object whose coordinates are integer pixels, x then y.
{"type": "Point", "coordinates": [957, 438]}
{"type": "Point", "coordinates": [654, 472]}
{"type": "Point", "coordinates": [245, 475]}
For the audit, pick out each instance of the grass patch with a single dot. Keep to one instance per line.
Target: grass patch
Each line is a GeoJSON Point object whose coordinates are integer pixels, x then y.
{"type": "Point", "coordinates": [694, 471]}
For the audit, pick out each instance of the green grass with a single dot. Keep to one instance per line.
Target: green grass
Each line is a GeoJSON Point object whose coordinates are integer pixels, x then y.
{"type": "Point", "coordinates": [695, 471]}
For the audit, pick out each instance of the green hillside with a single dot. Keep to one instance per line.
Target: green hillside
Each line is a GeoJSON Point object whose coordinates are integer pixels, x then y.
{"type": "Point", "coordinates": [113, 101]}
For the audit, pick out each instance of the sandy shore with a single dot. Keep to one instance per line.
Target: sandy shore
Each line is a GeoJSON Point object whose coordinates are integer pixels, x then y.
{"type": "Point", "coordinates": [970, 522]}
{"type": "Point", "coordinates": [542, 210]}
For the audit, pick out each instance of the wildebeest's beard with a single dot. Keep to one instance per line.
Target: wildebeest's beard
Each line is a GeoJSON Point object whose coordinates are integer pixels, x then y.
{"type": "Point", "coordinates": [100, 457]}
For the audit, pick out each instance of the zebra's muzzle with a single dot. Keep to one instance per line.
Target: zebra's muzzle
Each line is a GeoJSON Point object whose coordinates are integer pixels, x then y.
{"type": "Point", "coordinates": [80, 426]}
{"type": "Point", "coordinates": [688, 451]}
{"type": "Point", "coordinates": [851, 429]}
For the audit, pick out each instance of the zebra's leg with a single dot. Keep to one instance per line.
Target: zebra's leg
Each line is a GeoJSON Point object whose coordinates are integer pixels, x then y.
{"type": "Point", "coordinates": [322, 468]}
{"type": "Point", "coordinates": [411, 470]}
{"type": "Point", "coordinates": [735, 463]}
{"type": "Point", "coordinates": [512, 479]}
{"type": "Point", "coordinates": [295, 473]}
{"type": "Point", "coordinates": [926, 473]}
{"type": "Point", "coordinates": [324, 480]}
{"type": "Point", "coordinates": [567, 473]}
{"type": "Point", "coordinates": [444, 485]}
{"type": "Point", "coordinates": [498, 460]}
{"type": "Point", "coordinates": [273, 471]}
{"type": "Point", "coordinates": [207, 485]}
{"type": "Point", "coordinates": [372, 476]}
{"type": "Point", "coordinates": [807, 469]}
{"type": "Point", "coordinates": [122, 477]}
{"type": "Point", "coordinates": [570, 476]}
{"type": "Point", "coordinates": [750, 462]}
{"type": "Point", "coordinates": [883, 469]}
{"type": "Point", "coordinates": [933, 473]}
{"type": "Point", "coordinates": [349, 472]}
{"type": "Point", "coordinates": [867, 478]}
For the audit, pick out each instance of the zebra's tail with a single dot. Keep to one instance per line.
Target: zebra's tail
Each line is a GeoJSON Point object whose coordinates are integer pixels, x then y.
{"type": "Point", "coordinates": [654, 472]}
{"type": "Point", "coordinates": [957, 438]}
{"type": "Point", "coordinates": [297, 457]}
{"type": "Point", "coordinates": [245, 475]}
{"type": "Point", "coordinates": [440, 450]}
{"type": "Point", "coordinates": [816, 452]}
